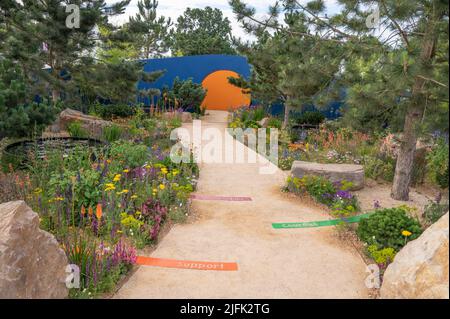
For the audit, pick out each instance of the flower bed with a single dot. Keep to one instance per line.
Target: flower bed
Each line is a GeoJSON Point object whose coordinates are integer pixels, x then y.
{"type": "Point", "coordinates": [103, 203]}
{"type": "Point", "coordinates": [382, 234]}
{"type": "Point", "coordinates": [334, 195]}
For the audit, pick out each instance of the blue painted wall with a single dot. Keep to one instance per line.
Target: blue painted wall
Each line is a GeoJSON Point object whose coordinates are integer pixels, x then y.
{"type": "Point", "coordinates": [199, 66]}
{"type": "Point", "coordinates": [331, 111]}
{"type": "Point", "coordinates": [196, 67]}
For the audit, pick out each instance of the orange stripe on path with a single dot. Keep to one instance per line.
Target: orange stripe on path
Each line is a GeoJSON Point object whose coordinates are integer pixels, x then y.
{"type": "Point", "coordinates": [186, 264]}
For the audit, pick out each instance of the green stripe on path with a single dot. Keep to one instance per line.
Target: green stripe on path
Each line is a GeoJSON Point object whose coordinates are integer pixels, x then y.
{"type": "Point", "coordinates": [323, 223]}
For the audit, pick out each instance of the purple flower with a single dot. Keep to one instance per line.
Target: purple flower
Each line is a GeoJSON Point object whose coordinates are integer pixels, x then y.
{"type": "Point", "coordinates": [376, 204]}
{"type": "Point", "coordinates": [95, 226]}
{"type": "Point", "coordinates": [139, 172]}
{"type": "Point", "coordinates": [344, 194]}
{"type": "Point", "coordinates": [337, 184]}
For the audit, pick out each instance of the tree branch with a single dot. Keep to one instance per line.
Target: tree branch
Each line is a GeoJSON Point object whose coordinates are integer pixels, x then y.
{"type": "Point", "coordinates": [432, 80]}
{"type": "Point", "coordinates": [400, 30]}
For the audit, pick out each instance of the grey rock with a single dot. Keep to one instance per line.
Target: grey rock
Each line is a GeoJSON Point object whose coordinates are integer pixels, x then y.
{"type": "Point", "coordinates": [420, 269]}
{"type": "Point", "coordinates": [333, 172]}
{"type": "Point", "coordinates": [32, 265]}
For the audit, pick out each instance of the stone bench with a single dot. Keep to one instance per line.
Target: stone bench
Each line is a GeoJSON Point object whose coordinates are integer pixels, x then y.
{"type": "Point", "coordinates": [333, 172]}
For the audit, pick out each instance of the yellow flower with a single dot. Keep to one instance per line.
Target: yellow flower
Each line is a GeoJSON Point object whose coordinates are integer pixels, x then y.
{"type": "Point", "coordinates": [109, 185]}
{"type": "Point", "coordinates": [125, 191]}
{"type": "Point", "coordinates": [134, 197]}
{"type": "Point", "coordinates": [162, 186]}
{"type": "Point", "coordinates": [406, 233]}
{"type": "Point", "coordinates": [117, 178]}
{"type": "Point", "coordinates": [59, 199]}
{"type": "Point", "coordinates": [175, 172]}
{"type": "Point", "coordinates": [111, 188]}
{"type": "Point", "coordinates": [126, 170]}
{"type": "Point", "coordinates": [154, 190]}
{"type": "Point", "coordinates": [164, 170]}
{"type": "Point", "coordinates": [38, 190]}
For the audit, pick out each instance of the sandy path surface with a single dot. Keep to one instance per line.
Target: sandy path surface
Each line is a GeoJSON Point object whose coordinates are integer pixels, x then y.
{"type": "Point", "coordinates": [290, 263]}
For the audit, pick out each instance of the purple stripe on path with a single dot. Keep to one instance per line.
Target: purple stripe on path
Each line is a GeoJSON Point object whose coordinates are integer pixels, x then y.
{"type": "Point", "coordinates": [222, 198]}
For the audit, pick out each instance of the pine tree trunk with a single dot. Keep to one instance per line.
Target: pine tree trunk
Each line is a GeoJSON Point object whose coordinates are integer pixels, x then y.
{"type": "Point", "coordinates": [405, 159]}
{"type": "Point", "coordinates": [55, 95]}
{"type": "Point", "coordinates": [287, 110]}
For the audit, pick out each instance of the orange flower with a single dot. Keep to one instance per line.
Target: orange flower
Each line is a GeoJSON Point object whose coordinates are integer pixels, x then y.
{"type": "Point", "coordinates": [99, 211]}
{"type": "Point", "coordinates": [90, 211]}
{"type": "Point", "coordinates": [83, 211]}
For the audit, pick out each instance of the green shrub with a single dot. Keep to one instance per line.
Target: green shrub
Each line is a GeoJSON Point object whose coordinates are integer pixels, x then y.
{"type": "Point", "coordinates": [274, 123]}
{"type": "Point", "coordinates": [380, 168]}
{"type": "Point", "coordinates": [434, 211]}
{"type": "Point", "coordinates": [132, 155]}
{"type": "Point", "coordinates": [111, 111]}
{"type": "Point", "coordinates": [249, 117]}
{"type": "Point", "coordinates": [310, 118]}
{"type": "Point", "coordinates": [252, 124]}
{"type": "Point", "coordinates": [258, 114]}
{"type": "Point", "coordinates": [112, 133]}
{"type": "Point", "coordinates": [438, 163]}
{"type": "Point", "coordinates": [185, 94]}
{"type": "Point", "coordinates": [76, 129]}
{"type": "Point", "coordinates": [385, 228]}
{"type": "Point", "coordinates": [174, 122]}
{"type": "Point", "coordinates": [383, 256]}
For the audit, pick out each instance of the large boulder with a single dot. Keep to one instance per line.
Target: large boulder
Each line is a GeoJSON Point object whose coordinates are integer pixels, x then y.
{"type": "Point", "coordinates": [420, 269]}
{"type": "Point", "coordinates": [91, 124]}
{"type": "Point", "coordinates": [333, 172]}
{"type": "Point", "coordinates": [32, 265]}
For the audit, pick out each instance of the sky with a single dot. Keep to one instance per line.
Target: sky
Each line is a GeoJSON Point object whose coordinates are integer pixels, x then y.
{"type": "Point", "coordinates": [175, 8]}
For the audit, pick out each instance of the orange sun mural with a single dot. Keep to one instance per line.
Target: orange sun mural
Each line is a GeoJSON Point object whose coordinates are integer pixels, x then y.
{"type": "Point", "coordinates": [221, 94]}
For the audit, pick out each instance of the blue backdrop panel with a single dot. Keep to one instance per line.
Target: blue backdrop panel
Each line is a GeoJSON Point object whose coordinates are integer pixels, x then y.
{"type": "Point", "coordinates": [196, 67]}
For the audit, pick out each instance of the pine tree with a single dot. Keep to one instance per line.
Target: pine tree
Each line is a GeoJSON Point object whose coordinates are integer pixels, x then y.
{"type": "Point", "coordinates": [19, 115]}
{"type": "Point", "coordinates": [289, 59]}
{"type": "Point", "coordinates": [407, 54]}
{"type": "Point", "coordinates": [150, 33]}
{"type": "Point", "coordinates": [41, 36]}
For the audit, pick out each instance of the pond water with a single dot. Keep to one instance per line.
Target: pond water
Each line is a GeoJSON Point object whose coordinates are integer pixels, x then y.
{"type": "Point", "coordinates": [19, 153]}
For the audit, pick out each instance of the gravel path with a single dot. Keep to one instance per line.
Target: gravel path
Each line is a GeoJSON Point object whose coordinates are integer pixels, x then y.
{"type": "Point", "coordinates": [290, 263]}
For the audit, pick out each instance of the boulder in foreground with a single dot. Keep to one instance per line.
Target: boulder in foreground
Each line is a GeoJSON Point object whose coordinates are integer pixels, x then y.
{"type": "Point", "coordinates": [420, 269]}
{"type": "Point", "coordinates": [32, 265]}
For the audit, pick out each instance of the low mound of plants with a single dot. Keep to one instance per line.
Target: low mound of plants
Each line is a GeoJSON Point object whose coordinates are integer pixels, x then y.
{"type": "Point", "coordinates": [389, 228]}
{"type": "Point", "coordinates": [335, 195]}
